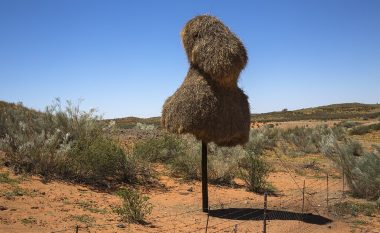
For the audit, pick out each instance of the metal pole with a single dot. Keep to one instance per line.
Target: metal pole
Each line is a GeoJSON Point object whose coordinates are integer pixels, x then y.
{"type": "Point", "coordinates": [77, 229]}
{"type": "Point", "coordinates": [204, 178]}
{"type": "Point", "coordinates": [303, 197]}
{"type": "Point", "coordinates": [265, 213]}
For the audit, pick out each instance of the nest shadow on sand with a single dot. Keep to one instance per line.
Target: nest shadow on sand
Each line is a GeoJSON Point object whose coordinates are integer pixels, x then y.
{"type": "Point", "coordinates": [258, 215]}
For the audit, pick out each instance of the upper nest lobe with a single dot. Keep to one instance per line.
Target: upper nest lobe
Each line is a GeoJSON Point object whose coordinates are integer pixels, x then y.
{"type": "Point", "coordinates": [213, 48]}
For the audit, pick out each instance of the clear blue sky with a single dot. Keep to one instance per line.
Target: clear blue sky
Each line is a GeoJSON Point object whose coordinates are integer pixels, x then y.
{"type": "Point", "coordinates": [125, 57]}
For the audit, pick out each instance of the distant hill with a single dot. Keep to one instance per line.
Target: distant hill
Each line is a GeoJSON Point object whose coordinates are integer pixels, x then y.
{"type": "Point", "coordinates": [5, 105]}
{"type": "Point", "coordinates": [16, 106]}
{"type": "Point", "coordinates": [328, 112]}
{"type": "Point", "coordinates": [130, 122]}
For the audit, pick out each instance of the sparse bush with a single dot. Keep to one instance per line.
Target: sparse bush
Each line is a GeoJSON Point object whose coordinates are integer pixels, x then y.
{"type": "Point", "coordinates": [187, 167]}
{"type": "Point", "coordinates": [135, 206]}
{"type": "Point", "coordinates": [362, 173]}
{"type": "Point", "coordinates": [162, 149]}
{"type": "Point", "coordinates": [363, 129]}
{"type": "Point", "coordinates": [28, 220]}
{"type": "Point", "coordinates": [4, 178]}
{"type": "Point", "coordinates": [340, 133]}
{"type": "Point", "coordinates": [354, 209]}
{"type": "Point", "coordinates": [95, 158]}
{"type": "Point", "coordinates": [137, 170]}
{"type": "Point", "coordinates": [360, 130]}
{"type": "Point", "coordinates": [261, 139]}
{"type": "Point", "coordinates": [83, 218]}
{"type": "Point", "coordinates": [355, 148]}
{"type": "Point", "coordinates": [16, 191]}
{"type": "Point", "coordinates": [302, 137]}
{"type": "Point", "coordinates": [222, 171]}
{"type": "Point", "coordinates": [62, 142]}
{"type": "Point", "coordinates": [254, 171]}
{"type": "Point", "coordinates": [308, 140]}
{"type": "Point", "coordinates": [223, 164]}
{"type": "Point", "coordinates": [349, 124]}
{"type": "Point", "coordinates": [188, 164]}
{"type": "Point", "coordinates": [143, 126]}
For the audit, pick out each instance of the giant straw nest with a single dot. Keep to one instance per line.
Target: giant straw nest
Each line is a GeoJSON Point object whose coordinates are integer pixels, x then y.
{"type": "Point", "coordinates": [214, 49]}
{"type": "Point", "coordinates": [209, 104]}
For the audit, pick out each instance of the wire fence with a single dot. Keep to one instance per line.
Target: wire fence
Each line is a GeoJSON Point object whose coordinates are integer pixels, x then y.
{"type": "Point", "coordinates": [307, 206]}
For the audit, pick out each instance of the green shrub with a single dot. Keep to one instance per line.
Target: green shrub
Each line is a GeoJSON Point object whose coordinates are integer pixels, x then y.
{"type": "Point", "coordinates": [363, 129]}
{"type": "Point", "coordinates": [349, 124]}
{"type": "Point", "coordinates": [355, 148]}
{"type": "Point", "coordinates": [261, 139]}
{"type": "Point", "coordinates": [340, 133]}
{"type": "Point", "coordinates": [188, 164]}
{"type": "Point", "coordinates": [83, 218]}
{"type": "Point", "coordinates": [4, 178]}
{"type": "Point", "coordinates": [142, 126]}
{"type": "Point", "coordinates": [362, 173]}
{"type": "Point", "coordinates": [303, 138]}
{"type": "Point", "coordinates": [135, 206]}
{"type": "Point", "coordinates": [360, 130]}
{"type": "Point", "coordinates": [29, 220]}
{"type": "Point", "coordinates": [354, 209]}
{"type": "Point", "coordinates": [254, 171]}
{"type": "Point", "coordinates": [222, 162]}
{"type": "Point", "coordinates": [308, 140]}
{"type": "Point", "coordinates": [162, 149]}
{"type": "Point", "coordinates": [137, 170]}
{"type": "Point", "coordinates": [95, 158]}
{"type": "Point", "coordinates": [63, 142]}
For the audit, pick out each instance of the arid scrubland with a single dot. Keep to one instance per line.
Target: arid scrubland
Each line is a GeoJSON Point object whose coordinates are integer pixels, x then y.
{"type": "Point", "coordinates": [67, 144]}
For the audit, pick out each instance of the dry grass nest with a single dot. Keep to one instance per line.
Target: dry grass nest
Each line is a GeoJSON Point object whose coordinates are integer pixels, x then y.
{"type": "Point", "coordinates": [207, 110]}
{"type": "Point", "coordinates": [214, 49]}
{"type": "Point", "coordinates": [209, 104]}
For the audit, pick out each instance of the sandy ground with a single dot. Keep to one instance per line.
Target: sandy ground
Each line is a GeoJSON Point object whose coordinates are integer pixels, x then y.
{"type": "Point", "coordinates": [27, 204]}
{"type": "Point", "coordinates": [58, 206]}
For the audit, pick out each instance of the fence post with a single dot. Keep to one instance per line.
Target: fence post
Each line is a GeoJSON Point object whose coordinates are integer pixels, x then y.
{"type": "Point", "coordinates": [208, 216]}
{"type": "Point", "coordinates": [235, 228]}
{"type": "Point", "coordinates": [77, 229]}
{"type": "Point", "coordinates": [327, 191]}
{"type": "Point", "coordinates": [175, 223]}
{"type": "Point", "coordinates": [303, 197]}
{"type": "Point", "coordinates": [343, 183]}
{"type": "Point", "coordinates": [265, 213]}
